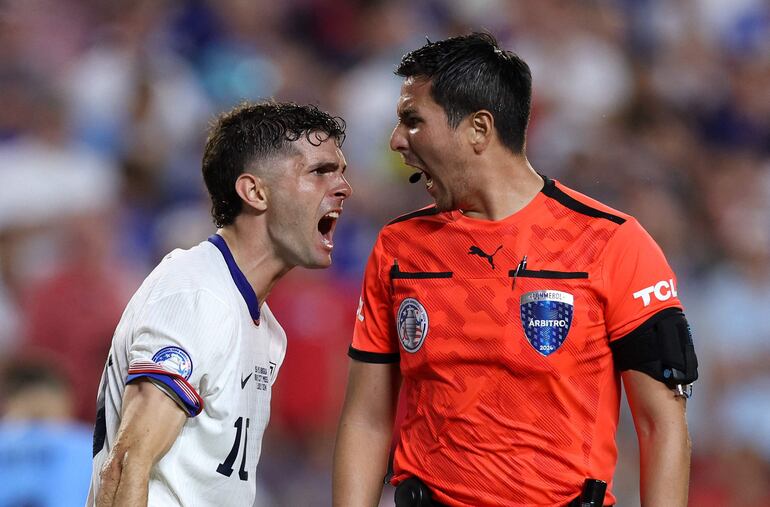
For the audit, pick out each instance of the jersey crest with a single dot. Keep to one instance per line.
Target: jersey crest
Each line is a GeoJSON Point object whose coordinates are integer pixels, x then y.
{"type": "Point", "coordinates": [412, 324]}
{"type": "Point", "coordinates": [546, 316]}
{"type": "Point", "coordinates": [174, 359]}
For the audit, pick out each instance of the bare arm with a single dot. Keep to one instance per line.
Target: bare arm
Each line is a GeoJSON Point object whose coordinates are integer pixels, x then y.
{"type": "Point", "coordinates": [364, 434]}
{"type": "Point", "coordinates": [664, 443]}
{"type": "Point", "coordinates": [151, 422]}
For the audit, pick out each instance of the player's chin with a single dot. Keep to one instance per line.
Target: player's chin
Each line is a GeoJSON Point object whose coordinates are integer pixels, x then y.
{"type": "Point", "coordinates": [320, 259]}
{"type": "Point", "coordinates": [323, 261]}
{"type": "Point", "coordinates": [319, 264]}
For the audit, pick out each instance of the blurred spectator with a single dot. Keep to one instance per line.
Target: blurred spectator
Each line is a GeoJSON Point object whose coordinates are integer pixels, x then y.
{"type": "Point", "coordinates": [45, 457]}
{"type": "Point", "coordinates": [319, 311]}
{"type": "Point", "coordinates": [73, 311]}
{"type": "Point", "coordinates": [56, 202]}
{"type": "Point", "coordinates": [46, 179]}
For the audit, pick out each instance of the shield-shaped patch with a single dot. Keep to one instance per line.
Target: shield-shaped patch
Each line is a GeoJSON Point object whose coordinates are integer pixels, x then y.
{"type": "Point", "coordinates": [546, 316]}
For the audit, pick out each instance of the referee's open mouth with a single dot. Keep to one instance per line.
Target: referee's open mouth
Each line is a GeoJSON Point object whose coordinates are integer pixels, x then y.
{"type": "Point", "coordinates": [428, 179]}
{"type": "Point", "coordinates": [326, 227]}
{"type": "Point", "coordinates": [416, 176]}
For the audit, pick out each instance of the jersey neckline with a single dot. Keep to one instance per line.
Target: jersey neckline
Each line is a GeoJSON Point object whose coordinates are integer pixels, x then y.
{"type": "Point", "coordinates": [244, 287]}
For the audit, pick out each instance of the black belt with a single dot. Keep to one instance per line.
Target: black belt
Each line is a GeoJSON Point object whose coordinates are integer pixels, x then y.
{"type": "Point", "coordinates": [412, 492]}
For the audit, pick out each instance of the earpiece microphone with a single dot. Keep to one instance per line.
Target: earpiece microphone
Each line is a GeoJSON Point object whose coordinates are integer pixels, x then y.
{"type": "Point", "coordinates": [415, 177]}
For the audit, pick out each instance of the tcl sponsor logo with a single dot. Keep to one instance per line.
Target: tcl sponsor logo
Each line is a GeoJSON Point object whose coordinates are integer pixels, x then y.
{"type": "Point", "coordinates": [663, 290]}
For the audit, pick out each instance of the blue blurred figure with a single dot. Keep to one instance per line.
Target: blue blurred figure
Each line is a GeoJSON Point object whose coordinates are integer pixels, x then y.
{"type": "Point", "coordinates": [45, 456]}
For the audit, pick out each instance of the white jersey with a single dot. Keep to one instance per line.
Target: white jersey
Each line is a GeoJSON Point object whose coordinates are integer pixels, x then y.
{"type": "Point", "coordinates": [194, 328]}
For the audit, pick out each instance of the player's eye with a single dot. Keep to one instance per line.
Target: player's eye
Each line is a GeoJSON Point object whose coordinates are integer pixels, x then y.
{"type": "Point", "coordinates": [326, 169]}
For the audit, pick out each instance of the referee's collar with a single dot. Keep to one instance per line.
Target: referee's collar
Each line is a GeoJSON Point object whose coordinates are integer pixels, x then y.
{"type": "Point", "coordinates": [244, 287]}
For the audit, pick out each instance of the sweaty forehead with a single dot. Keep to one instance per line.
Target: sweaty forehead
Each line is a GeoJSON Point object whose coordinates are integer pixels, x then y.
{"type": "Point", "coordinates": [415, 94]}
{"type": "Point", "coordinates": [298, 154]}
{"type": "Point", "coordinates": [320, 151]}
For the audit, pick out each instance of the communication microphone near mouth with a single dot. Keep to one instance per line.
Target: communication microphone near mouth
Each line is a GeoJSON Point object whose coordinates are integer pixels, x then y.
{"type": "Point", "coordinates": [415, 177]}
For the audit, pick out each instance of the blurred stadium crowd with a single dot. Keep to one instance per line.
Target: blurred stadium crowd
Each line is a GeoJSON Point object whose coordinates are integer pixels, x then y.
{"type": "Point", "coordinates": [660, 108]}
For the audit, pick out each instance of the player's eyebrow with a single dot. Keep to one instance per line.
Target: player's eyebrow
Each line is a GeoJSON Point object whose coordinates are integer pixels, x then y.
{"type": "Point", "coordinates": [406, 113]}
{"type": "Point", "coordinates": [327, 165]}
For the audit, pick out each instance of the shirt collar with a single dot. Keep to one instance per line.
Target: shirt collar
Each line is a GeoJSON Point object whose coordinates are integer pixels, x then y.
{"type": "Point", "coordinates": [244, 287]}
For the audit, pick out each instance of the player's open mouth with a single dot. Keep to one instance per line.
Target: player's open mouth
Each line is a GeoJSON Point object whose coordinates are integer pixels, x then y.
{"type": "Point", "coordinates": [326, 227]}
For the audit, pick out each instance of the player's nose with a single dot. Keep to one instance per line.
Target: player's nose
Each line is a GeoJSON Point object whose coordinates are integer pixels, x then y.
{"type": "Point", "coordinates": [344, 189]}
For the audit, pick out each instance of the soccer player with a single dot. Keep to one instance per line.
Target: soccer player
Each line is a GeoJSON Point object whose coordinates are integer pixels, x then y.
{"type": "Point", "coordinates": [507, 313]}
{"type": "Point", "coordinates": [185, 394]}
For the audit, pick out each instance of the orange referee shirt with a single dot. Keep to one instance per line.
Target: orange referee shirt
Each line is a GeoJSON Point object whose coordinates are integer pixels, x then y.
{"type": "Point", "coordinates": [511, 394]}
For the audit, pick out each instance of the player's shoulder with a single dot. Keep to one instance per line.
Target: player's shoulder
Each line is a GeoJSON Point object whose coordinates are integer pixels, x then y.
{"type": "Point", "coordinates": [581, 204]}
{"type": "Point", "coordinates": [197, 264]}
{"type": "Point", "coordinates": [197, 269]}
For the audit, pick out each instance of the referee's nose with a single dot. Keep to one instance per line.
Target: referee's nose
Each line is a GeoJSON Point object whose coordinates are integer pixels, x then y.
{"type": "Point", "coordinates": [398, 141]}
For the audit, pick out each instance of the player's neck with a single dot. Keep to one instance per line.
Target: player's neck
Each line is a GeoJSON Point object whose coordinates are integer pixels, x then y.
{"type": "Point", "coordinates": [256, 260]}
{"type": "Point", "coordinates": [501, 188]}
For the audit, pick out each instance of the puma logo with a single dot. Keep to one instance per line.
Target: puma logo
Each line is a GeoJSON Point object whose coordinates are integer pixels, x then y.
{"type": "Point", "coordinates": [478, 251]}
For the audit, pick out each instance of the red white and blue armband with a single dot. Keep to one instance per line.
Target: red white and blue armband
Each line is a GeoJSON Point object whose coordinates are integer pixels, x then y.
{"type": "Point", "coordinates": [170, 368]}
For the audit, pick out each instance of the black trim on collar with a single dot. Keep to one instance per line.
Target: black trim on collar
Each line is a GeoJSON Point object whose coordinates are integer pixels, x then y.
{"type": "Point", "coordinates": [433, 210]}
{"type": "Point", "coordinates": [551, 190]}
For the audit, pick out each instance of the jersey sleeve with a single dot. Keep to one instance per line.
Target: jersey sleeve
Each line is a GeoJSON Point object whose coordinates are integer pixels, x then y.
{"type": "Point", "coordinates": [374, 334]}
{"type": "Point", "coordinates": [181, 339]}
{"type": "Point", "coordinates": [638, 282]}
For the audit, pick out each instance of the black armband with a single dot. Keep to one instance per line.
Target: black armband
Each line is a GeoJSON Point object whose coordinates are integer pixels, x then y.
{"type": "Point", "coordinates": [662, 348]}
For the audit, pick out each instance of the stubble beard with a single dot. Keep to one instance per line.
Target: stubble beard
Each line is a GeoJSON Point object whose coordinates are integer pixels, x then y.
{"type": "Point", "coordinates": [446, 201]}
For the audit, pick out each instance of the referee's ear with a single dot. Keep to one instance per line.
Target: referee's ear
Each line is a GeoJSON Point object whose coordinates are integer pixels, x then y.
{"type": "Point", "coordinates": [251, 189]}
{"type": "Point", "coordinates": [480, 130]}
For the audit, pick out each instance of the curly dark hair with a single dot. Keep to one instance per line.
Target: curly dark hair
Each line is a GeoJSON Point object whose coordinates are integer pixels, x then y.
{"type": "Point", "coordinates": [470, 73]}
{"type": "Point", "coordinates": [251, 132]}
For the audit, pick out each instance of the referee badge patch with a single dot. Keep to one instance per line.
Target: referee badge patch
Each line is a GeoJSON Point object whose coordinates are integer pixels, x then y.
{"type": "Point", "coordinates": [546, 316]}
{"type": "Point", "coordinates": [174, 359]}
{"type": "Point", "coordinates": [412, 324]}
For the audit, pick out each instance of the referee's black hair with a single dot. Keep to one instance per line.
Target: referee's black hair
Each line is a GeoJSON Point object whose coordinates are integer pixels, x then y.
{"type": "Point", "coordinates": [470, 73]}
{"type": "Point", "coordinates": [251, 132]}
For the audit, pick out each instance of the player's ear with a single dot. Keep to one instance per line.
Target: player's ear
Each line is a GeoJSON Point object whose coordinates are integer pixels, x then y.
{"type": "Point", "coordinates": [481, 126]}
{"type": "Point", "coordinates": [252, 190]}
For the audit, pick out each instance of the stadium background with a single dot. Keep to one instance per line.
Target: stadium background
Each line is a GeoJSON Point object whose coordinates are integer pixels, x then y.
{"type": "Point", "coordinates": [660, 108]}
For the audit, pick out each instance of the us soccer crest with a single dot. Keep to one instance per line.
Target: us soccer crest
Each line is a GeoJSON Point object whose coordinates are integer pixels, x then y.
{"type": "Point", "coordinates": [412, 324]}
{"type": "Point", "coordinates": [546, 316]}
